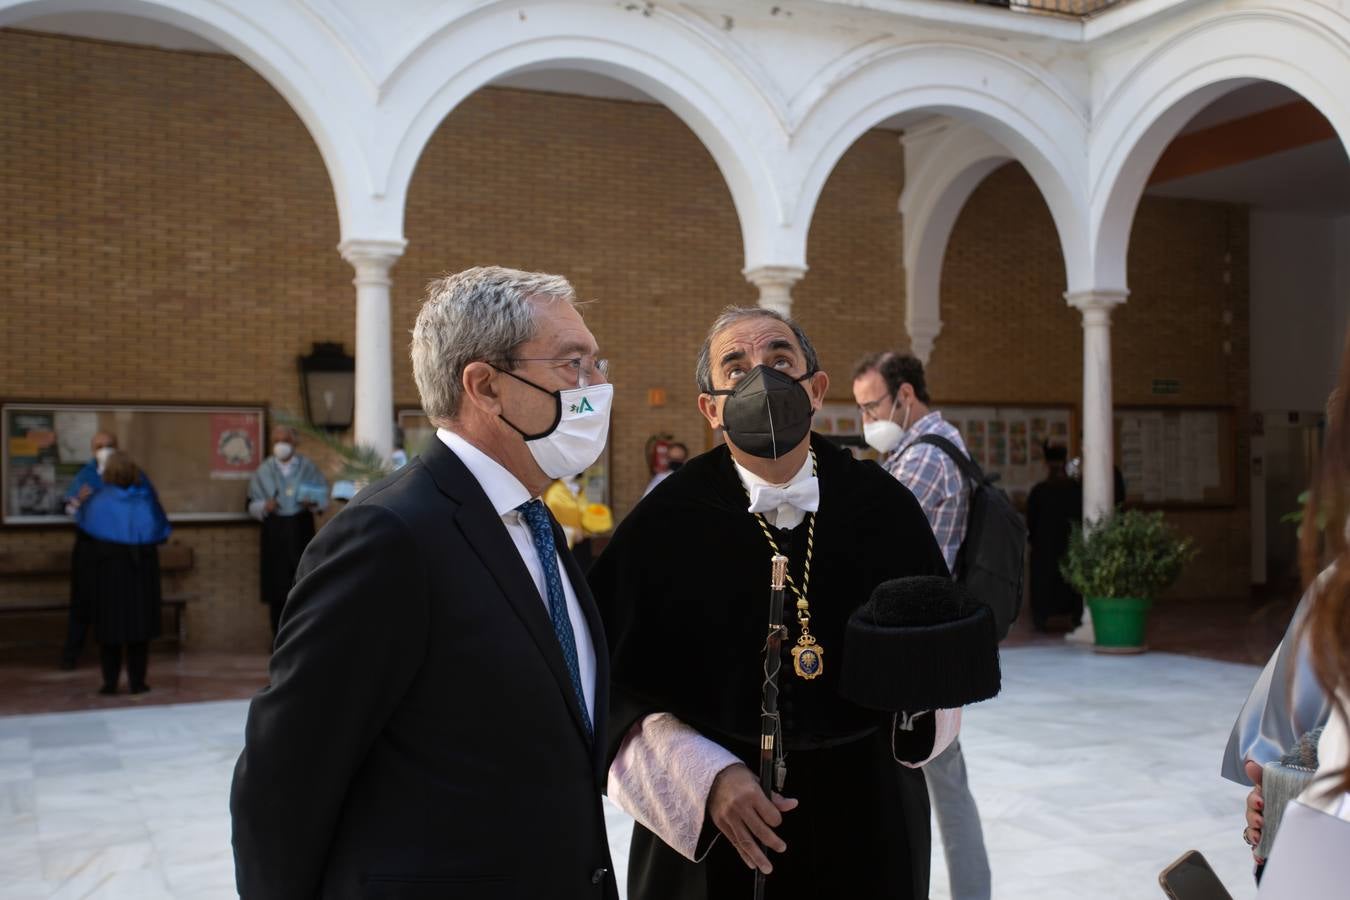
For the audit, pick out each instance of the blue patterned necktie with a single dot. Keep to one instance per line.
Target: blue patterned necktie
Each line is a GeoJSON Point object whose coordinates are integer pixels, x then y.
{"type": "Point", "coordinates": [541, 529]}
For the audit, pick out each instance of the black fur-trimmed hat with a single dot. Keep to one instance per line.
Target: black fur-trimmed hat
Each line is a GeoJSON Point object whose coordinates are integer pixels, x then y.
{"type": "Point", "coordinates": [920, 643]}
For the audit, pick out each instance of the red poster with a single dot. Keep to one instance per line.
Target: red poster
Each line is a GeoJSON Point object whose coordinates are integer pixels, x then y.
{"type": "Point", "coordinates": [236, 445]}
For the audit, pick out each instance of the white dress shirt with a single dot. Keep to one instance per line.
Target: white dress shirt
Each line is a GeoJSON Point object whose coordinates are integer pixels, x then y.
{"type": "Point", "coordinates": [505, 492]}
{"type": "Point", "coordinates": [785, 516]}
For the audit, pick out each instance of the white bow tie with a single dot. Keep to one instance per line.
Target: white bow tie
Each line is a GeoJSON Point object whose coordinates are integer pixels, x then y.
{"type": "Point", "coordinates": [803, 495]}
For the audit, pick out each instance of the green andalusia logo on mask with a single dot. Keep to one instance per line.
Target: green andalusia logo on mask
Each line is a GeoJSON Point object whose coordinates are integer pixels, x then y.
{"type": "Point", "coordinates": [583, 407]}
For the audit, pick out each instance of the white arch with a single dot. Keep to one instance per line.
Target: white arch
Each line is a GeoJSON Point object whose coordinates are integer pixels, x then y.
{"type": "Point", "coordinates": [1019, 107]}
{"type": "Point", "coordinates": [658, 53]}
{"type": "Point", "coordinates": [944, 162]}
{"type": "Point", "coordinates": [286, 50]}
{"type": "Point", "coordinates": [1163, 90]}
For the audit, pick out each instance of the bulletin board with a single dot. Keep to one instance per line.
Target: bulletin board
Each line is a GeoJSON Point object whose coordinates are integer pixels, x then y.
{"type": "Point", "coordinates": [1177, 456]}
{"type": "Point", "coordinates": [1007, 440]}
{"type": "Point", "coordinates": [1002, 439]}
{"type": "Point", "coordinates": [199, 458]}
{"type": "Point", "coordinates": [841, 422]}
{"type": "Point", "coordinates": [418, 433]}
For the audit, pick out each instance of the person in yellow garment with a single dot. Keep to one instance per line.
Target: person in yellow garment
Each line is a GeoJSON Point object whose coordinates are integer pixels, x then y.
{"type": "Point", "coordinates": [580, 519]}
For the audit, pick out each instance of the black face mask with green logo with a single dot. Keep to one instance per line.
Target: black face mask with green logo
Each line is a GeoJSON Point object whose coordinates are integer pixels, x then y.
{"type": "Point", "coordinates": [767, 413]}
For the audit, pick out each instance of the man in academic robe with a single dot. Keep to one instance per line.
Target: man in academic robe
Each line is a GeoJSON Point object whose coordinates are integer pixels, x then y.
{"type": "Point", "coordinates": [1053, 507]}
{"type": "Point", "coordinates": [437, 700]}
{"type": "Point", "coordinates": [683, 590]}
{"type": "Point", "coordinates": [284, 494]}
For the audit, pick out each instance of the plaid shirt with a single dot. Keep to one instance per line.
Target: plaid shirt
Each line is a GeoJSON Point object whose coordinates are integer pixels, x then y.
{"type": "Point", "coordinates": [935, 481]}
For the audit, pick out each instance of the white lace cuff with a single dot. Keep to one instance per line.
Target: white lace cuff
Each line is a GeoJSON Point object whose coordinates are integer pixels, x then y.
{"type": "Point", "coordinates": [662, 776]}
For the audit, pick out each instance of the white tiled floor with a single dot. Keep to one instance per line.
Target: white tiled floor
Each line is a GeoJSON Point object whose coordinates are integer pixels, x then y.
{"type": "Point", "coordinates": [1092, 773]}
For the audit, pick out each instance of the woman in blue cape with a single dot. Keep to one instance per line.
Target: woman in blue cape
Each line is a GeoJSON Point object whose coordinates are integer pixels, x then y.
{"type": "Point", "coordinates": [120, 573]}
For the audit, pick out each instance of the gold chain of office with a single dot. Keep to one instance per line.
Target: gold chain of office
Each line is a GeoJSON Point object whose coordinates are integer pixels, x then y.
{"type": "Point", "coordinates": [808, 656]}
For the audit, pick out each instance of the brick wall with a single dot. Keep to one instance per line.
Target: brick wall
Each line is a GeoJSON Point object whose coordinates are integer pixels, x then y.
{"type": "Point", "coordinates": [171, 236]}
{"type": "Point", "coordinates": [1008, 335]}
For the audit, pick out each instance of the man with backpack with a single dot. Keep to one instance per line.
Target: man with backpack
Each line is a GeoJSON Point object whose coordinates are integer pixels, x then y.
{"type": "Point", "coordinates": [892, 396]}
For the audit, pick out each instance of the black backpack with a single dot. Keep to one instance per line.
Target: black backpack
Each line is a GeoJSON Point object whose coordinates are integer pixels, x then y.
{"type": "Point", "coordinates": [990, 562]}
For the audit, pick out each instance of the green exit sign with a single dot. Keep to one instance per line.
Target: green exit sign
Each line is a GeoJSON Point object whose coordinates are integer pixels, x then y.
{"type": "Point", "coordinates": [1167, 385]}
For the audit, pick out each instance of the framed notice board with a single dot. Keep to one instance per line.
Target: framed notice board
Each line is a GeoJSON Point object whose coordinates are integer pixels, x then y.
{"type": "Point", "coordinates": [1002, 439]}
{"type": "Point", "coordinates": [1177, 456]}
{"type": "Point", "coordinates": [199, 458]}
{"type": "Point", "coordinates": [1008, 439]}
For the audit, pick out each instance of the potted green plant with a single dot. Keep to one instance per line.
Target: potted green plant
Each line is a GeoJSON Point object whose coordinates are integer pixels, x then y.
{"type": "Point", "coordinates": [1119, 564]}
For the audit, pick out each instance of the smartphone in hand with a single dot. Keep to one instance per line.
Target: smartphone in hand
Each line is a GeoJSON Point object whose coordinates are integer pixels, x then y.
{"type": "Point", "coordinates": [1191, 878]}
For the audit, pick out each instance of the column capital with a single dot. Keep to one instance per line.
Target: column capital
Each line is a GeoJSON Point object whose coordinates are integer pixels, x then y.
{"type": "Point", "coordinates": [1098, 300]}
{"type": "Point", "coordinates": [371, 251]}
{"type": "Point", "coordinates": [372, 259]}
{"type": "Point", "coordinates": [775, 285]}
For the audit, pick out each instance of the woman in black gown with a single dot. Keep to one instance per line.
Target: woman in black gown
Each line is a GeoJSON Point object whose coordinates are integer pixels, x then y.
{"type": "Point", "coordinates": [119, 573]}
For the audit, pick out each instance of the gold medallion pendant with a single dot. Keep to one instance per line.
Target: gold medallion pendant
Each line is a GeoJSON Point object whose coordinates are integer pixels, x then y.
{"type": "Point", "coordinates": [808, 657]}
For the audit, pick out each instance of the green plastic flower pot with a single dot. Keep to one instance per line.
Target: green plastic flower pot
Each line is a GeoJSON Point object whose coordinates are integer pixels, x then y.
{"type": "Point", "coordinates": [1119, 622]}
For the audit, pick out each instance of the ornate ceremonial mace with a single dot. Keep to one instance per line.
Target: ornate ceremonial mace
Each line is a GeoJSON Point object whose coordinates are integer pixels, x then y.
{"type": "Point", "coordinates": [772, 769]}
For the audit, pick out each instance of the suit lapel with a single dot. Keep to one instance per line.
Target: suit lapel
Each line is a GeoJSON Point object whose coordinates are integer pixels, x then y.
{"type": "Point", "coordinates": [483, 529]}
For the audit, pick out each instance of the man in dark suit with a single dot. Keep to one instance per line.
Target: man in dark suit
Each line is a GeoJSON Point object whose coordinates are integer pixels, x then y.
{"type": "Point", "coordinates": [440, 677]}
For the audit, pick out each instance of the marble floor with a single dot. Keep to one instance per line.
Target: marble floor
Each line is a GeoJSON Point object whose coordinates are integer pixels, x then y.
{"type": "Point", "coordinates": [33, 684]}
{"type": "Point", "coordinates": [1092, 773]}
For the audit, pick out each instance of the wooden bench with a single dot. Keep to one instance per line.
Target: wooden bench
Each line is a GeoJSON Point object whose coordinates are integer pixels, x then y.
{"type": "Point", "coordinates": [35, 565]}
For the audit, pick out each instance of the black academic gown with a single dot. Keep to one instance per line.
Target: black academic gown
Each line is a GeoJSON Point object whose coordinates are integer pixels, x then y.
{"type": "Point", "coordinates": [683, 591]}
{"type": "Point", "coordinates": [282, 541]}
{"type": "Point", "coordinates": [123, 590]}
{"type": "Point", "coordinates": [1052, 507]}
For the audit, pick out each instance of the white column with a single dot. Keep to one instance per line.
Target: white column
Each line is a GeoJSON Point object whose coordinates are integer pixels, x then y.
{"type": "Point", "coordinates": [1098, 445]}
{"type": "Point", "coordinates": [372, 260]}
{"type": "Point", "coordinates": [775, 285]}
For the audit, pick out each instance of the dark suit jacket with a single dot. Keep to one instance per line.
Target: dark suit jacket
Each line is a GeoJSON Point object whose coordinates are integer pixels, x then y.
{"type": "Point", "coordinates": [420, 736]}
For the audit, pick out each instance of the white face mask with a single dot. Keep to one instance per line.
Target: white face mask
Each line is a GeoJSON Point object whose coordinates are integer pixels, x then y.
{"type": "Point", "coordinates": [576, 442]}
{"type": "Point", "coordinates": [580, 429]}
{"type": "Point", "coordinates": [282, 450]}
{"type": "Point", "coordinates": [102, 455]}
{"type": "Point", "coordinates": [885, 436]}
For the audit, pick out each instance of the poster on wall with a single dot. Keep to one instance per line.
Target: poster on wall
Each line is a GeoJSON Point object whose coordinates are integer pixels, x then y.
{"type": "Point", "coordinates": [75, 432]}
{"type": "Point", "coordinates": [1009, 441]}
{"type": "Point", "coordinates": [998, 444]}
{"type": "Point", "coordinates": [974, 434]}
{"type": "Point", "coordinates": [1017, 443]}
{"type": "Point", "coordinates": [34, 487]}
{"type": "Point", "coordinates": [841, 420]}
{"type": "Point", "coordinates": [235, 445]}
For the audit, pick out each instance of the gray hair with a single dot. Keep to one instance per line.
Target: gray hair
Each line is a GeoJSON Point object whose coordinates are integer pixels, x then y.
{"type": "Point", "coordinates": [730, 316]}
{"type": "Point", "coordinates": [478, 315]}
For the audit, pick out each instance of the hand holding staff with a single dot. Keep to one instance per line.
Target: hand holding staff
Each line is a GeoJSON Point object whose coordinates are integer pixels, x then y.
{"type": "Point", "coordinates": [742, 809]}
